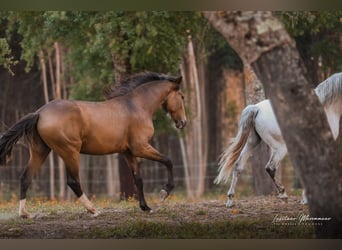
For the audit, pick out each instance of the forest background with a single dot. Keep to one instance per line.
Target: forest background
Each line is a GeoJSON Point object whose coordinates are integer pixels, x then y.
{"type": "Point", "coordinates": [75, 54]}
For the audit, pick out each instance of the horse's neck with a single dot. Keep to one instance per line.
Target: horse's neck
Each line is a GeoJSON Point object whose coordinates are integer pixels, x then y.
{"type": "Point", "coordinates": [151, 96]}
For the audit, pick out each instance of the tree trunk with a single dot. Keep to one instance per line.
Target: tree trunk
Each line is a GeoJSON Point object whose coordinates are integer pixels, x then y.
{"type": "Point", "coordinates": [127, 187]}
{"type": "Point", "coordinates": [52, 77]}
{"type": "Point", "coordinates": [58, 91]}
{"type": "Point", "coordinates": [58, 88]}
{"type": "Point", "coordinates": [112, 175]}
{"type": "Point", "coordinates": [189, 190]}
{"type": "Point", "coordinates": [254, 93]}
{"type": "Point", "coordinates": [195, 137]}
{"type": "Point", "coordinates": [319, 165]}
{"type": "Point", "coordinates": [46, 98]}
{"type": "Point", "coordinates": [260, 40]}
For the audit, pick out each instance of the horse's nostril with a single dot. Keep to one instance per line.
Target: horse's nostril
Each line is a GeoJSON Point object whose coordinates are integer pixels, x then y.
{"type": "Point", "coordinates": [180, 123]}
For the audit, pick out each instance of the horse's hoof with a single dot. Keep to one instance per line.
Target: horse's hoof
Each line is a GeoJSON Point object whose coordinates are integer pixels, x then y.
{"type": "Point", "coordinates": [145, 208]}
{"type": "Point", "coordinates": [163, 194]}
{"type": "Point", "coordinates": [230, 203]}
{"type": "Point", "coordinates": [31, 216]}
{"type": "Point", "coordinates": [304, 202]}
{"type": "Point", "coordinates": [96, 213]}
{"type": "Point", "coordinates": [283, 196]}
{"type": "Point", "coordinates": [26, 216]}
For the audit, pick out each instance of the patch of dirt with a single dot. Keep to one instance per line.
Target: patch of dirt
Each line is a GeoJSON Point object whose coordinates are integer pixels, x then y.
{"type": "Point", "coordinates": [77, 224]}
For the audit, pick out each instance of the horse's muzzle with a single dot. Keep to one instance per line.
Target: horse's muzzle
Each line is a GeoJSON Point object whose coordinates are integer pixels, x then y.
{"type": "Point", "coordinates": [180, 124]}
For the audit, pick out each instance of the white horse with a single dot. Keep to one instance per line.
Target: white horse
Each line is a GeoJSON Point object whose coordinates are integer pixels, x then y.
{"type": "Point", "coordinates": [258, 122]}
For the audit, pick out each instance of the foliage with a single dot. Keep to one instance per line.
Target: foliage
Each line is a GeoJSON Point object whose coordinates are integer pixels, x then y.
{"type": "Point", "coordinates": [215, 45]}
{"type": "Point", "coordinates": [317, 34]}
{"type": "Point", "coordinates": [6, 59]}
{"type": "Point", "coordinates": [151, 41]}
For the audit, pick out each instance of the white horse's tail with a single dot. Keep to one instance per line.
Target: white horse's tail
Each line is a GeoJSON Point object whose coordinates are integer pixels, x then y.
{"type": "Point", "coordinates": [232, 152]}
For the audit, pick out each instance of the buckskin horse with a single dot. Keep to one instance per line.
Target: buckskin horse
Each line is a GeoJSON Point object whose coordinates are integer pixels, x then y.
{"type": "Point", "coordinates": [120, 124]}
{"type": "Point", "coordinates": [258, 122]}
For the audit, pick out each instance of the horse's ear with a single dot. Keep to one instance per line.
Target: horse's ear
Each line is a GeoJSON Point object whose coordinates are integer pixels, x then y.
{"type": "Point", "coordinates": [179, 80]}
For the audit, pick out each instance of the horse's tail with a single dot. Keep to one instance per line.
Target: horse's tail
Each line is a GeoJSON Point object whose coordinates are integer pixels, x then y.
{"type": "Point", "coordinates": [26, 126]}
{"type": "Point", "coordinates": [232, 152]}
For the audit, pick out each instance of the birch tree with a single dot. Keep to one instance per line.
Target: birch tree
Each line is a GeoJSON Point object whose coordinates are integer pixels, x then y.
{"type": "Point", "coordinates": [194, 143]}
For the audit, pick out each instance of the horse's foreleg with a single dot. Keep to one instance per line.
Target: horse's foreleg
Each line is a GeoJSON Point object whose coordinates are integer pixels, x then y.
{"type": "Point", "coordinates": [132, 163]}
{"type": "Point", "coordinates": [150, 153]}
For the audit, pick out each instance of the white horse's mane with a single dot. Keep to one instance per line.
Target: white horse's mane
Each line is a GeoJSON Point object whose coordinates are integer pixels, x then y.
{"type": "Point", "coordinates": [330, 89]}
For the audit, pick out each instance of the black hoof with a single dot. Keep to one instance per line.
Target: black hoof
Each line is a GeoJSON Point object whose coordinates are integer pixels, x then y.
{"type": "Point", "coordinates": [145, 208]}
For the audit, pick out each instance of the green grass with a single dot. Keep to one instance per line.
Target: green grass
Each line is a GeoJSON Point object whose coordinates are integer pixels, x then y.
{"type": "Point", "coordinates": [245, 228]}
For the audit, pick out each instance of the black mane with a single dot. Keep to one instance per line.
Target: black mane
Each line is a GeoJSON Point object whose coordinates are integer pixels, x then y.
{"type": "Point", "coordinates": [130, 83]}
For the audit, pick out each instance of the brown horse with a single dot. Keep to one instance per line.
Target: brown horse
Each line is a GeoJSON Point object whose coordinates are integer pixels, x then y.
{"type": "Point", "coordinates": [121, 124]}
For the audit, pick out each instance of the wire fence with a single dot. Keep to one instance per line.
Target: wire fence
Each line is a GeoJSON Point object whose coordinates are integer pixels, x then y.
{"type": "Point", "coordinates": [154, 177]}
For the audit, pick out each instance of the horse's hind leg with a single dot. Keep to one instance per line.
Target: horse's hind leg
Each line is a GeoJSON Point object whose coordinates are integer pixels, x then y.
{"type": "Point", "coordinates": [71, 160]}
{"type": "Point", "coordinates": [252, 142]}
{"type": "Point", "coordinates": [304, 200]}
{"type": "Point", "coordinates": [271, 167]}
{"type": "Point", "coordinates": [38, 153]}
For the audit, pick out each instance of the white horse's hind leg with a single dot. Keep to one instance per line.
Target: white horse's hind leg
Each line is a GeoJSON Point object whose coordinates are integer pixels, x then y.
{"type": "Point", "coordinates": [304, 200]}
{"type": "Point", "coordinates": [271, 167]}
{"type": "Point", "coordinates": [252, 142]}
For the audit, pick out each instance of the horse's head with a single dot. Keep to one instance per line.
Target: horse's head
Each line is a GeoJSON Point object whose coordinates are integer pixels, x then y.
{"type": "Point", "coordinates": [174, 105]}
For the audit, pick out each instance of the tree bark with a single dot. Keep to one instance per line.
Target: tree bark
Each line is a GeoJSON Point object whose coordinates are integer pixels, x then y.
{"type": "Point", "coordinates": [58, 92]}
{"type": "Point", "coordinates": [127, 186]}
{"type": "Point", "coordinates": [319, 165]}
{"type": "Point", "coordinates": [52, 77]}
{"type": "Point", "coordinates": [195, 140]}
{"type": "Point", "coordinates": [46, 98]}
{"type": "Point", "coordinates": [254, 93]}
{"type": "Point", "coordinates": [112, 174]}
{"type": "Point", "coordinates": [260, 40]}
